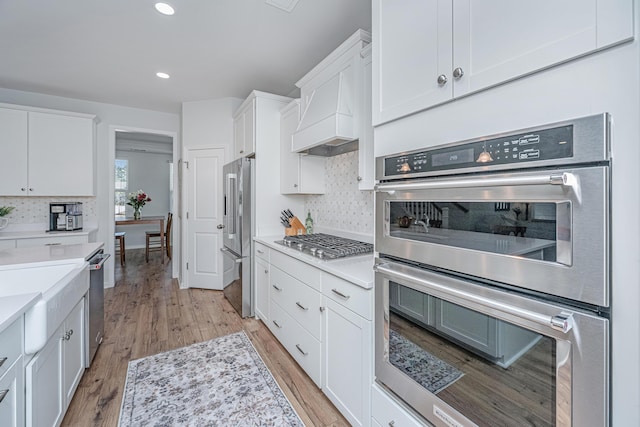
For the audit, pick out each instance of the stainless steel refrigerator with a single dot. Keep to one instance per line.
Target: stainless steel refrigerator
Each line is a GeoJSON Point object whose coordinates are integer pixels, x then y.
{"type": "Point", "coordinates": [237, 232]}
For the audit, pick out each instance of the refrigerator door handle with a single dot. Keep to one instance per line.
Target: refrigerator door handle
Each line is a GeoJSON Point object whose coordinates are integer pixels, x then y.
{"type": "Point", "coordinates": [237, 259]}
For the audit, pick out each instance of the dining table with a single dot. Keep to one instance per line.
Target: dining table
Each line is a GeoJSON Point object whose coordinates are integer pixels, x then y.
{"type": "Point", "coordinates": [129, 220]}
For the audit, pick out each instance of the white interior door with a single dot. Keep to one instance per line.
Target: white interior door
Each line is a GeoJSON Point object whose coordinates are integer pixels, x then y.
{"type": "Point", "coordinates": [204, 213]}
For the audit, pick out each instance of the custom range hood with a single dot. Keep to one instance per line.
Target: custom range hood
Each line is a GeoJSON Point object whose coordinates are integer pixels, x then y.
{"type": "Point", "coordinates": [331, 101]}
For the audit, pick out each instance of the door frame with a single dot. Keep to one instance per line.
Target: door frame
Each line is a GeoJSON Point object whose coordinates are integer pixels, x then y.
{"type": "Point", "coordinates": [111, 226]}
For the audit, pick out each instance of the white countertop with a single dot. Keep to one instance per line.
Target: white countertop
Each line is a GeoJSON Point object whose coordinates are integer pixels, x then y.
{"type": "Point", "coordinates": [356, 269]}
{"type": "Point", "coordinates": [40, 254]}
{"type": "Point", "coordinates": [31, 234]}
{"type": "Point", "coordinates": [14, 306]}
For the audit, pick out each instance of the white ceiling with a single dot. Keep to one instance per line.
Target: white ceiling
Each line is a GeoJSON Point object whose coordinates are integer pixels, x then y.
{"type": "Point", "coordinates": [109, 51]}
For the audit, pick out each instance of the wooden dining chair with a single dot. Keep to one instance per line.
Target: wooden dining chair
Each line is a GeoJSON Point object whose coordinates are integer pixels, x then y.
{"type": "Point", "coordinates": [153, 242]}
{"type": "Point", "coordinates": [120, 238]}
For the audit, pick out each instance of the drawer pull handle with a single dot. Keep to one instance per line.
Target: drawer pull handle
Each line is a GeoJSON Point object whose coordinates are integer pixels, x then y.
{"type": "Point", "coordinates": [301, 350]}
{"type": "Point", "coordinates": [53, 244]}
{"type": "Point", "coordinates": [3, 393]}
{"type": "Point", "coordinates": [2, 360]}
{"type": "Point", "coordinates": [276, 323]}
{"type": "Point", "coordinates": [277, 288]}
{"type": "Point", "coordinates": [392, 423]}
{"type": "Point", "coordinates": [302, 306]}
{"type": "Point", "coordinates": [259, 251]}
{"type": "Point", "coordinates": [337, 292]}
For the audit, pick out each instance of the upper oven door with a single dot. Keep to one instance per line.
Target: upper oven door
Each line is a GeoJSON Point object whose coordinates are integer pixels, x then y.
{"type": "Point", "coordinates": [545, 230]}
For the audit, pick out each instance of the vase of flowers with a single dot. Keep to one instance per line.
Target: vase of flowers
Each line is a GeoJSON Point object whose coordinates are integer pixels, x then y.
{"type": "Point", "coordinates": [137, 200]}
{"type": "Point", "coordinates": [5, 210]}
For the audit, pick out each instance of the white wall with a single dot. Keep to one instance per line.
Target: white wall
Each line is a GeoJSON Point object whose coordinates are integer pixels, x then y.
{"type": "Point", "coordinates": [148, 172]}
{"type": "Point", "coordinates": [110, 115]}
{"type": "Point", "coordinates": [608, 81]}
{"type": "Point", "coordinates": [209, 123]}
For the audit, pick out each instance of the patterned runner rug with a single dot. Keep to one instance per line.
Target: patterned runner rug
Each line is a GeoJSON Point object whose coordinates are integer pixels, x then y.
{"type": "Point", "coordinates": [222, 382]}
{"type": "Point", "coordinates": [430, 372]}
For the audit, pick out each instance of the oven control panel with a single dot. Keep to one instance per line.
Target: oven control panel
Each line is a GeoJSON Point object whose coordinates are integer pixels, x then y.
{"type": "Point", "coordinates": [540, 145]}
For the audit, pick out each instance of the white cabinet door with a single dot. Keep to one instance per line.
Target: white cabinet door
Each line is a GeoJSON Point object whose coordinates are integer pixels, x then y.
{"type": "Point", "coordinates": [73, 352]}
{"type": "Point", "coordinates": [411, 49]}
{"type": "Point", "coordinates": [13, 161]}
{"type": "Point", "coordinates": [244, 130]}
{"type": "Point", "coordinates": [366, 158]}
{"type": "Point", "coordinates": [45, 400]}
{"type": "Point", "coordinates": [12, 396]}
{"type": "Point", "coordinates": [61, 155]}
{"type": "Point", "coordinates": [495, 41]}
{"type": "Point", "coordinates": [347, 350]}
{"type": "Point", "coordinates": [299, 174]}
{"type": "Point", "coordinates": [262, 290]}
{"type": "Point", "coordinates": [238, 136]}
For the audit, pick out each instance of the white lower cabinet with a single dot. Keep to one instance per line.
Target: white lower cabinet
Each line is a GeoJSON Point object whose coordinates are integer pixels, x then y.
{"type": "Point", "coordinates": [12, 375]}
{"type": "Point", "coordinates": [325, 323]}
{"type": "Point", "coordinates": [53, 374]}
{"type": "Point", "coordinates": [387, 412]}
{"type": "Point", "coordinates": [262, 289]}
{"type": "Point", "coordinates": [348, 355]}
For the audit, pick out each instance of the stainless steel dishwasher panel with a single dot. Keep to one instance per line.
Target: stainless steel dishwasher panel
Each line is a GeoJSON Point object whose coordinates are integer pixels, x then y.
{"type": "Point", "coordinates": [95, 305]}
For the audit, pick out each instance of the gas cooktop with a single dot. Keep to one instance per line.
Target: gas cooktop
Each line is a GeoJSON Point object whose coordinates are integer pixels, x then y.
{"type": "Point", "coordinates": [326, 246]}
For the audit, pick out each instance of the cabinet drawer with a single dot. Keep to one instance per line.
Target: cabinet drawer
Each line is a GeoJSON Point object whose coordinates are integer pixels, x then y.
{"type": "Point", "coordinates": [299, 300]}
{"type": "Point", "coordinates": [10, 345]}
{"type": "Point", "coordinates": [262, 251]}
{"type": "Point", "coordinates": [302, 346]}
{"type": "Point", "coordinates": [354, 297]}
{"type": "Point", "coordinates": [298, 269]}
{"type": "Point", "coordinates": [387, 412]}
{"type": "Point", "coordinates": [51, 241]}
{"type": "Point", "coordinates": [7, 244]}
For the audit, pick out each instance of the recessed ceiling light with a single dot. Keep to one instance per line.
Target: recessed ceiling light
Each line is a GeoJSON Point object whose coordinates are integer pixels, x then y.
{"type": "Point", "coordinates": [163, 75]}
{"type": "Point", "coordinates": [165, 9]}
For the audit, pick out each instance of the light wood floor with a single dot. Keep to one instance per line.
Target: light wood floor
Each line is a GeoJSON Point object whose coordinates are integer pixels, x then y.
{"type": "Point", "coordinates": [146, 313]}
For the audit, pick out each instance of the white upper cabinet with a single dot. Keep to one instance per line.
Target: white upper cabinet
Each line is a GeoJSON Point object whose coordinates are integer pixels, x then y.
{"type": "Point", "coordinates": [299, 174]}
{"type": "Point", "coordinates": [429, 52]}
{"type": "Point", "coordinates": [46, 153]}
{"type": "Point", "coordinates": [13, 162]}
{"type": "Point", "coordinates": [244, 129]}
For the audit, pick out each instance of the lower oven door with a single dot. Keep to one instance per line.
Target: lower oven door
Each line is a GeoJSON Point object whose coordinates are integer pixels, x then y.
{"type": "Point", "coordinates": [460, 353]}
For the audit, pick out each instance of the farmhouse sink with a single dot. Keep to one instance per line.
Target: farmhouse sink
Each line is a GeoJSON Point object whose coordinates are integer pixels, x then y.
{"type": "Point", "coordinates": [61, 284]}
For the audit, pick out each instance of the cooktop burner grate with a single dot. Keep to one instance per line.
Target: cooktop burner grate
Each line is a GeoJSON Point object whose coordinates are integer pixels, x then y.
{"type": "Point", "coordinates": [326, 246]}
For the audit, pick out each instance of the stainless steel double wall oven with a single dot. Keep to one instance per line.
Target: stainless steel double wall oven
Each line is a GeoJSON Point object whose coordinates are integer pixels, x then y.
{"type": "Point", "coordinates": [493, 278]}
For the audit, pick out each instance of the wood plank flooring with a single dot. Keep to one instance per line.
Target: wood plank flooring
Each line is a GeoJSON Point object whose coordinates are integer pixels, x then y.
{"type": "Point", "coordinates": [146, 313]}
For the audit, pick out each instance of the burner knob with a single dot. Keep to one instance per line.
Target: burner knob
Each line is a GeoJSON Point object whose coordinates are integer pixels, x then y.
{"type": "Point", "coordinates": [288, 243]}
{"type": "Point", "coordinates": [320, 253]}
{"type": "Point", "coordinates": [300, 246]}
{"type": "Point", "coordinates": [313, 251]}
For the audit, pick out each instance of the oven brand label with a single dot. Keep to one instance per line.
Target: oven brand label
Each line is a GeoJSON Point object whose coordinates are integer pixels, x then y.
{"type": "Point", "coordinates": [448, 420]}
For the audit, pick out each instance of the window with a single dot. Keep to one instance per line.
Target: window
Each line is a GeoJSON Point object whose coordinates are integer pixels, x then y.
{"type": "Point", "coordinates": [121, 185]}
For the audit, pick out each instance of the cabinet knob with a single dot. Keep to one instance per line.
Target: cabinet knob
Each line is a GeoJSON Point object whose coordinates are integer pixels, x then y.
{"type": "Point", "coordinates": [3, 393]}
{"type": "Point", "coordinates": [2, 360]}
{"type": "Point", "coordinates": [241, 151]}
{"type": "Point", "coordinates": [30, 189]}
{"type": "Point", "coordinates": [457, 73]}
{"type": "Point", "coordinates": [442, 80]}
{"type": "Point", "coordinates": [295, 185]}
{"type": "Point", "coordinates": [266, 271]}
{"type": "Point", "coordinates": [359, 178]}
{"type": "Point", "coordinates": [23, 189]}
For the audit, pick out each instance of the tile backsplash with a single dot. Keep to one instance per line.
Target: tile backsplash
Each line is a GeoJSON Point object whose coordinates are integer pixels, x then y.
{"type": "Point", "coordinates": [343, 206]}
{"type": "Point", "coordinates": [35, 210]}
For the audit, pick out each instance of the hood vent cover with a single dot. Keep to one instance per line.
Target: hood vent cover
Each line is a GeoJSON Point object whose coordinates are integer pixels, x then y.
{"type": "Point", "coordinates": [329, 123]}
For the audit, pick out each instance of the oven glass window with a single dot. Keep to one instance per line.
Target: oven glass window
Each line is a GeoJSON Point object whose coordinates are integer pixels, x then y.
{"type": "Point", "coordinates": [492, 371]}
{"type": "Point", "coordinates": [527, 229]}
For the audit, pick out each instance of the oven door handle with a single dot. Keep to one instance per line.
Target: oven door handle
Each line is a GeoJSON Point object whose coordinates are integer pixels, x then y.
{"type": "Point", "coordinates": [562, 322]}
{"type": "Point", "coordinates": [566, 179]}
